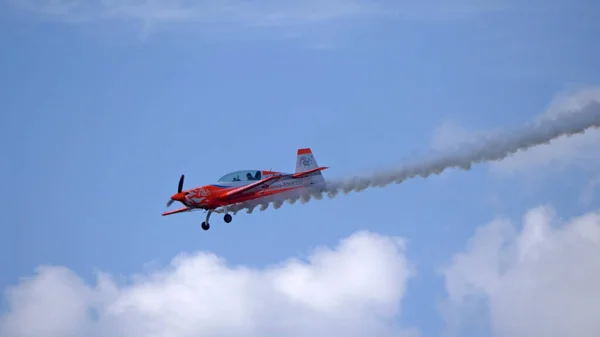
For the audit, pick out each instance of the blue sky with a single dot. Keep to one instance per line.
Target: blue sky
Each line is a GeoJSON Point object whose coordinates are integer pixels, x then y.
{"type": "Point", "coordinates": [104, 107]}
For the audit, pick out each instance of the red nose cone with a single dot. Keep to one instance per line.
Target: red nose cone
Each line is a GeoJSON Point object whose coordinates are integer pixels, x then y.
{"type": "Point", "coordinates": [178, 196]}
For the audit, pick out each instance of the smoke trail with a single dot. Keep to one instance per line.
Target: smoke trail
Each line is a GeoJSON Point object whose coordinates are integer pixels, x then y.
{"type": "Point", "coordinates": [491, 148]}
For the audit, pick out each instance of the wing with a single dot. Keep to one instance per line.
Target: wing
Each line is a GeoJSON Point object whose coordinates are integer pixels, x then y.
{"type": "Point", "coordinates": [256, 186]}
{"type": "Point", "coordinates": [179, 210]}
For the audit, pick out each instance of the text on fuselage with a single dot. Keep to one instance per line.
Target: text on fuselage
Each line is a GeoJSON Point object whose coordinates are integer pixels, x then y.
{"type": "Point", "coordinates": [285, 184]}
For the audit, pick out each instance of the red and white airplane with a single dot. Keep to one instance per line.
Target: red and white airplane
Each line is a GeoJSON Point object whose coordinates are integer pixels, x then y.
{"type": "Point", "coordinates": [245, 185]}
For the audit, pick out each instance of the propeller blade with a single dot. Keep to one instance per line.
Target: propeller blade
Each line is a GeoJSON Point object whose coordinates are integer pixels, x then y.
{"type": "Point", "coordinates": [180, 187]}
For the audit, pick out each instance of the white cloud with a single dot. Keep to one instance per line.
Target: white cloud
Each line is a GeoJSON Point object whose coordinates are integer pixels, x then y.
{"type": "Point", "coordinates": [539, 281]}
{"type": "Point", "coordinates": [256, 13]}
{"type": "Point", "coordinates": [319, 24]}
{"type": "Point", "coordinates": [353, 290]}
{"type": "Point", "coordinates": [451, 136]}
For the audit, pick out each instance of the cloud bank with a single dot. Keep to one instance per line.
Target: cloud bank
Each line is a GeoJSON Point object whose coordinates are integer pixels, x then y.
{"type": "Point", "coordinates": [538, 279]}
{"type": "Point", "coordinates": [354, 289]}
{"type": "Point", "coordinates": [256, 13]}
{"type": "Point", "coordinates": [543, 280]}
{"type": "Point", "coordinates": [253, 13]}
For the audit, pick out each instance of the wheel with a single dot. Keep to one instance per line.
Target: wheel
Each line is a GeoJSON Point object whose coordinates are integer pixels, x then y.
{"type": "Point", "coordinates": [205, 226]}
{"type": "Point", "coordinates": [227, 218]}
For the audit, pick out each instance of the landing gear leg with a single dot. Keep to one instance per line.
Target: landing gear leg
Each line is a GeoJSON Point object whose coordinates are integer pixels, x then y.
{"type": "Point", "coordinates": [205, 224]}
{"type": "Point", "coordinates": [227, 218]}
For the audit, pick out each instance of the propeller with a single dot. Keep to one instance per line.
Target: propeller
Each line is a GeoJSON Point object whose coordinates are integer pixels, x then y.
{"type": "Point", "coordinates": [179, 188]}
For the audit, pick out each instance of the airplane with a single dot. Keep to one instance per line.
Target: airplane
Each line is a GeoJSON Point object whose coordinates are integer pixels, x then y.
{"type": "Point", "coordinates": [244, 185]}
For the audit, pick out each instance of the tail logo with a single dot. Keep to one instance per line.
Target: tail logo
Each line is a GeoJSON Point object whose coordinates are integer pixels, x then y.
{"type": "Point", "coordinates": [306, 161]}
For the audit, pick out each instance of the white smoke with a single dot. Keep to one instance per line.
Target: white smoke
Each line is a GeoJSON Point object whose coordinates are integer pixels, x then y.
{"type": "Point", "coordinates": [493, 147]}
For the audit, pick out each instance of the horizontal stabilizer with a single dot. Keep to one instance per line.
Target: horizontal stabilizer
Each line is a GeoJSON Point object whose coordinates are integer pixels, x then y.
{"type": "Point", "coordinates": [309, 172]}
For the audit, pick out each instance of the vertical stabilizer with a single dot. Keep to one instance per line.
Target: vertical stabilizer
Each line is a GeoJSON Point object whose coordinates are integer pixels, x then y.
{"type": "Point", "coordinates": [305, 161]}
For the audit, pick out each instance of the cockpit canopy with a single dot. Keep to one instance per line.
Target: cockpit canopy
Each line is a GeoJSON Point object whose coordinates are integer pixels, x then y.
{"type": "Point", "coordinates": [243, 175]}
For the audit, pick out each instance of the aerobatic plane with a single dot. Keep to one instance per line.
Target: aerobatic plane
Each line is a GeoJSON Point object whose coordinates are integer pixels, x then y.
{"type": "Point", "coordinates": [245, 185]}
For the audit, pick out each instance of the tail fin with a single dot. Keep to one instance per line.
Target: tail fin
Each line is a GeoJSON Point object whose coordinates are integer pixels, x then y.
{"type": "Point", "coordinates": [305, 161]}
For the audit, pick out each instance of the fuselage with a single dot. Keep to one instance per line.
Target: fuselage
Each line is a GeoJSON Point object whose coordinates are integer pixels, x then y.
{"type": "Point", "coordinates": [212, 196]}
